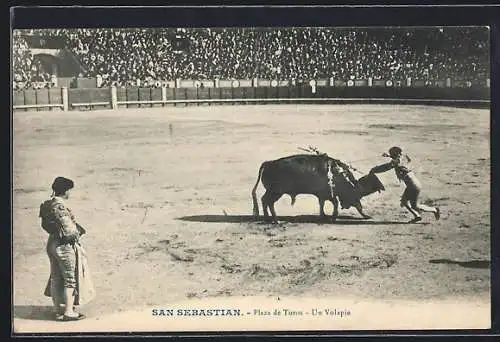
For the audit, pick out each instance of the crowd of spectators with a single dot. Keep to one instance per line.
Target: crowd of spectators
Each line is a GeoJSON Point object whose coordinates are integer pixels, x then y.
{"type": "Point", "coordinates": [123, 56]}
{"type": "Point", "coordinates": [26, 69]}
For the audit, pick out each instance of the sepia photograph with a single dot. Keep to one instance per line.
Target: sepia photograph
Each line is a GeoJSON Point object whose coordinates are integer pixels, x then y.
{"type": "Point", "coordinates": [186, 179]}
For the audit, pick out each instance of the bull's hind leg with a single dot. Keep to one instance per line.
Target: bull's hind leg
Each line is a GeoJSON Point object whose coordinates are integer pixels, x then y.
{"type": "Point", "coordinates": [268, 200]}
{"type": "Point", "coordinates": [265, 205]}
{"type": "Point", "coordinates": [273, 200]}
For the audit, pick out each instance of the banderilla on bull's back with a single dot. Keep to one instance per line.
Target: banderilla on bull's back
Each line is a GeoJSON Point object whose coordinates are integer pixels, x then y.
{"type": "Point", "coordinates": [312, 149]}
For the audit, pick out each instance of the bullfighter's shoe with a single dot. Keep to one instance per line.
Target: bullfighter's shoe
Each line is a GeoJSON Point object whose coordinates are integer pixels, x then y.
{"type": "Point", "coordinates": [415, 220]}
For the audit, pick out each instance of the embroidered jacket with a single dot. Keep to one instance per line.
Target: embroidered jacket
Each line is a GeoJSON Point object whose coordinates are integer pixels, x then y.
{"type": "Point", "coordinates": [58, 220]}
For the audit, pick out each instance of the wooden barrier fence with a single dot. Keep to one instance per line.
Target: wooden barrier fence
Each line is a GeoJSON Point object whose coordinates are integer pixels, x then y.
{"type": "Point", "coordinates": [114, 98]}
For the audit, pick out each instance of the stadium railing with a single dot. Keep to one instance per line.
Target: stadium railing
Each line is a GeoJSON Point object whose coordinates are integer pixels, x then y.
{"type": "Point", "coordinates": [253, 92]}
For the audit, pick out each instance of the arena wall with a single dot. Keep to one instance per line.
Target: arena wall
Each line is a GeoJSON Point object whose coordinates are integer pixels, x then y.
{"type": "Point", "coordinates": [98, 98]}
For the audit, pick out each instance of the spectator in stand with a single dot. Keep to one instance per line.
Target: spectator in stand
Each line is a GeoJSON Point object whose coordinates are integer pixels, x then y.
{"type": "Point", "coordinates": [124, 56]}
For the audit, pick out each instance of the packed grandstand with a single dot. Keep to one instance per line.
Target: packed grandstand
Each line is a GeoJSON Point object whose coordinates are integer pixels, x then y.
{"type": "Point", "coordinates": [123, 56]}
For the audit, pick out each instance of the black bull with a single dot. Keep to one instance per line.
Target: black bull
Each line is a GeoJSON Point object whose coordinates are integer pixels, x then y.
{"type": "Point", "coordinates": [320, 175]}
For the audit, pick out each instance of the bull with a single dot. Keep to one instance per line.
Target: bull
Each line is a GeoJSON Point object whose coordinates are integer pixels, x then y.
{"type": "Point", "coordinates": [326, 178]}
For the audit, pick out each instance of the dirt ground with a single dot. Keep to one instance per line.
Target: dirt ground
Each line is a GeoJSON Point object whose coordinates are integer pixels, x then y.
{"type": "Point", "coordinates": [165, 195]}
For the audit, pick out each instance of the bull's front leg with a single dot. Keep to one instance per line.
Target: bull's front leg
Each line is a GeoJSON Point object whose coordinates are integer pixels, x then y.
{"type": "Point", "coordinates": [321, 207]}
{"type": "Point", "coordinates": [335, 213]}
{"type": "Point", "coordinates": [359, 207]}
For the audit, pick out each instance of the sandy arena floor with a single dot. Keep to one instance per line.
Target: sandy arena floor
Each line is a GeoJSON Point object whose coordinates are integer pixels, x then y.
{"type": "Point", "coordinates": [165, 195]}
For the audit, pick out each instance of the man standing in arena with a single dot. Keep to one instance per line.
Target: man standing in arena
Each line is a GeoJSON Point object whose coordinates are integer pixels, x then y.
{"type": "Point", "coordinates": [69, 283]}
{"type": "Point", "coordinates": [409, 199]}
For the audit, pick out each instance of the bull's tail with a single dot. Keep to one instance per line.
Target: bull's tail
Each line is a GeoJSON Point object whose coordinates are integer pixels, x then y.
{"type": "Point", "coordinates": [254, 195]}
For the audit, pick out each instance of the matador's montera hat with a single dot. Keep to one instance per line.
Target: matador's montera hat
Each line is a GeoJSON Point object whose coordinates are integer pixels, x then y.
{"type": "Point", "coordinates": [62, 184]}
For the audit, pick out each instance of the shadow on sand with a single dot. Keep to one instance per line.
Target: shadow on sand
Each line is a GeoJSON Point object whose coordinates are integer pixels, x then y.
{"type": "Point", "coordinates": [34, 312]}
{"type": "Point", "coordinates": [484, 264]}
{"type": "Point", "coordinates": [342, 220]}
